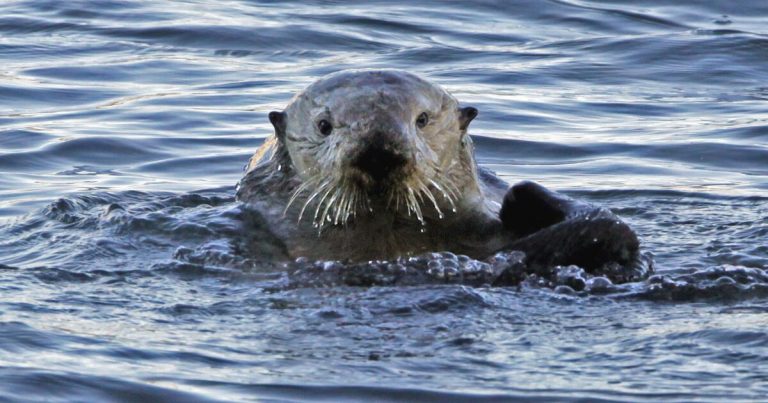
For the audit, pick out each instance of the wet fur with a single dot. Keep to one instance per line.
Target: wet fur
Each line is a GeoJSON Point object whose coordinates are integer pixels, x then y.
{"type": "Point", "coordinates": [372, 236]}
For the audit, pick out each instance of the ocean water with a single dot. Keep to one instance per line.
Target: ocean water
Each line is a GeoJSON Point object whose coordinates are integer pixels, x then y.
{"type": "Point", "coordinates": [124, 126]}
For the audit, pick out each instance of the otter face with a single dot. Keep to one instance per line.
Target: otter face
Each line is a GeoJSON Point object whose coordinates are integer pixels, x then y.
{"type": "Point", "coordinates": [360, 138]}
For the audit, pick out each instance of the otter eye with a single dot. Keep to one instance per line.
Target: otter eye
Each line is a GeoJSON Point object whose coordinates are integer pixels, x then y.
{"type": "Point", "coordinates": [325, 127]}
{"type": "Point", "coordinates": [422, 120]}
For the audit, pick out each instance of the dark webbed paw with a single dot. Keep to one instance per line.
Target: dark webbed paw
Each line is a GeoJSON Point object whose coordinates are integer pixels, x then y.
{"type": "Point", "coordinates": [529, 207]}
{"type": "Point", "coordinates": [553, 229]}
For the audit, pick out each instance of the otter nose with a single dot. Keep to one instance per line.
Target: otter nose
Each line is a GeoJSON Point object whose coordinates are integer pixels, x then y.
{"type": "Point", "coordinates": [379, 159]}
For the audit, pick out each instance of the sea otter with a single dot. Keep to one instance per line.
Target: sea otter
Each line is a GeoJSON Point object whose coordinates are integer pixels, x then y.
{"type": "Point", "coordinates": [377, 164]}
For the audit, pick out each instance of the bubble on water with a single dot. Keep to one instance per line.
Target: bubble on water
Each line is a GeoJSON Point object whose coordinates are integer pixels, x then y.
{"type": "Point", "coordinates": [725, 280]}
{"type": "Point", "coordinates": [330, 265]}
{"type": "Point", "coordinates": [572, 276]}
{"type": "Point", "coordinates": [564, 289]}
{"type": "Point", "coordinates": [450, 264]}
{"type": "Point", "coordinates": [434, 264]}
{"type": "Point", "coordinates": [599, 284]}
{"type": "Point", "coordinates": [451, 272]}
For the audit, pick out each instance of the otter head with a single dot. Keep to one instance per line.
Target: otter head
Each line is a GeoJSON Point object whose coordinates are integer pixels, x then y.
{"type": "Point", "coordinates": [363, 141]}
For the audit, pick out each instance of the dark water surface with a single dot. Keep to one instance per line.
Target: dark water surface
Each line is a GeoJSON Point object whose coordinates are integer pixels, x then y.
{"type": "Point", "coordinates": [124, 126]}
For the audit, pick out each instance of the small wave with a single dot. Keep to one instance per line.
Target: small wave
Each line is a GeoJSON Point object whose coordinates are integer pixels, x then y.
{"type": "Point", "coordinates": [290, 392]}
{"type": "Point", "coordinates": [19, 383]}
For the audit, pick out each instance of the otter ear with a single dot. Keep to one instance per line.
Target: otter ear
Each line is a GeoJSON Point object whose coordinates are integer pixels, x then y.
{"type": "Point", "coordinates": [466, 114]}
{"type": "Point", "coordinates": [278, 121]}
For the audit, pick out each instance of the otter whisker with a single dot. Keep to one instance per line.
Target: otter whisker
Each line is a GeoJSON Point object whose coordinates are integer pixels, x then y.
{"type": "Point", "coordinates": [300, 189]}
{"type": "Point", "coordinates": [392, 196]}
{"type": "Point", "coordinates": [339, 216]}
{"type": "Point", "coordinates": [444, 192]}
{"type": "Point", "coordinates": [357, 201]}
{"type": "Point", "coordinates": [422, 192]}
{"type": "Point", "coordinates": [354, 201]}
{"type": "Point", "coordinates": [343, 200]}
{"type": "Point", "coordinates": [337, 205]}
{"type": "Point", "coordinates": [415, 205]}
{"type": "Point", "coordinates": [352, 204]}
{"type": "Point", "coordinates": [407, 201]}
{"type": "Point", "coordinates": [425, 189]}
{"type": "Point", "coordinates": [311, 197]}
{"type": "Point", "coordinates": [397, 194]}
{"type": "Point", "coordinates": [347, 200]}
{"type": "Point", "coordinates": [320, 202]}
{"type": "Point", "coordinates": [418, 192]}
{"type": "Point", "coordinates": [364, 202]}
{"type": "Point", "coordinates": [328, 205]}
{"type": "Point", "coordinates": [452, 188]}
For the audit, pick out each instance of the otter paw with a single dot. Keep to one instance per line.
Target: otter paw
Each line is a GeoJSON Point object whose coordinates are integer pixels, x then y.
{"type": "Point", "coordinates": [529, 207]}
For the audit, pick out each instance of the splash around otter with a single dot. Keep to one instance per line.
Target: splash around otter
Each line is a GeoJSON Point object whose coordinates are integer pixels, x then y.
{"type": "Point", "coordinates": [378, 164]}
